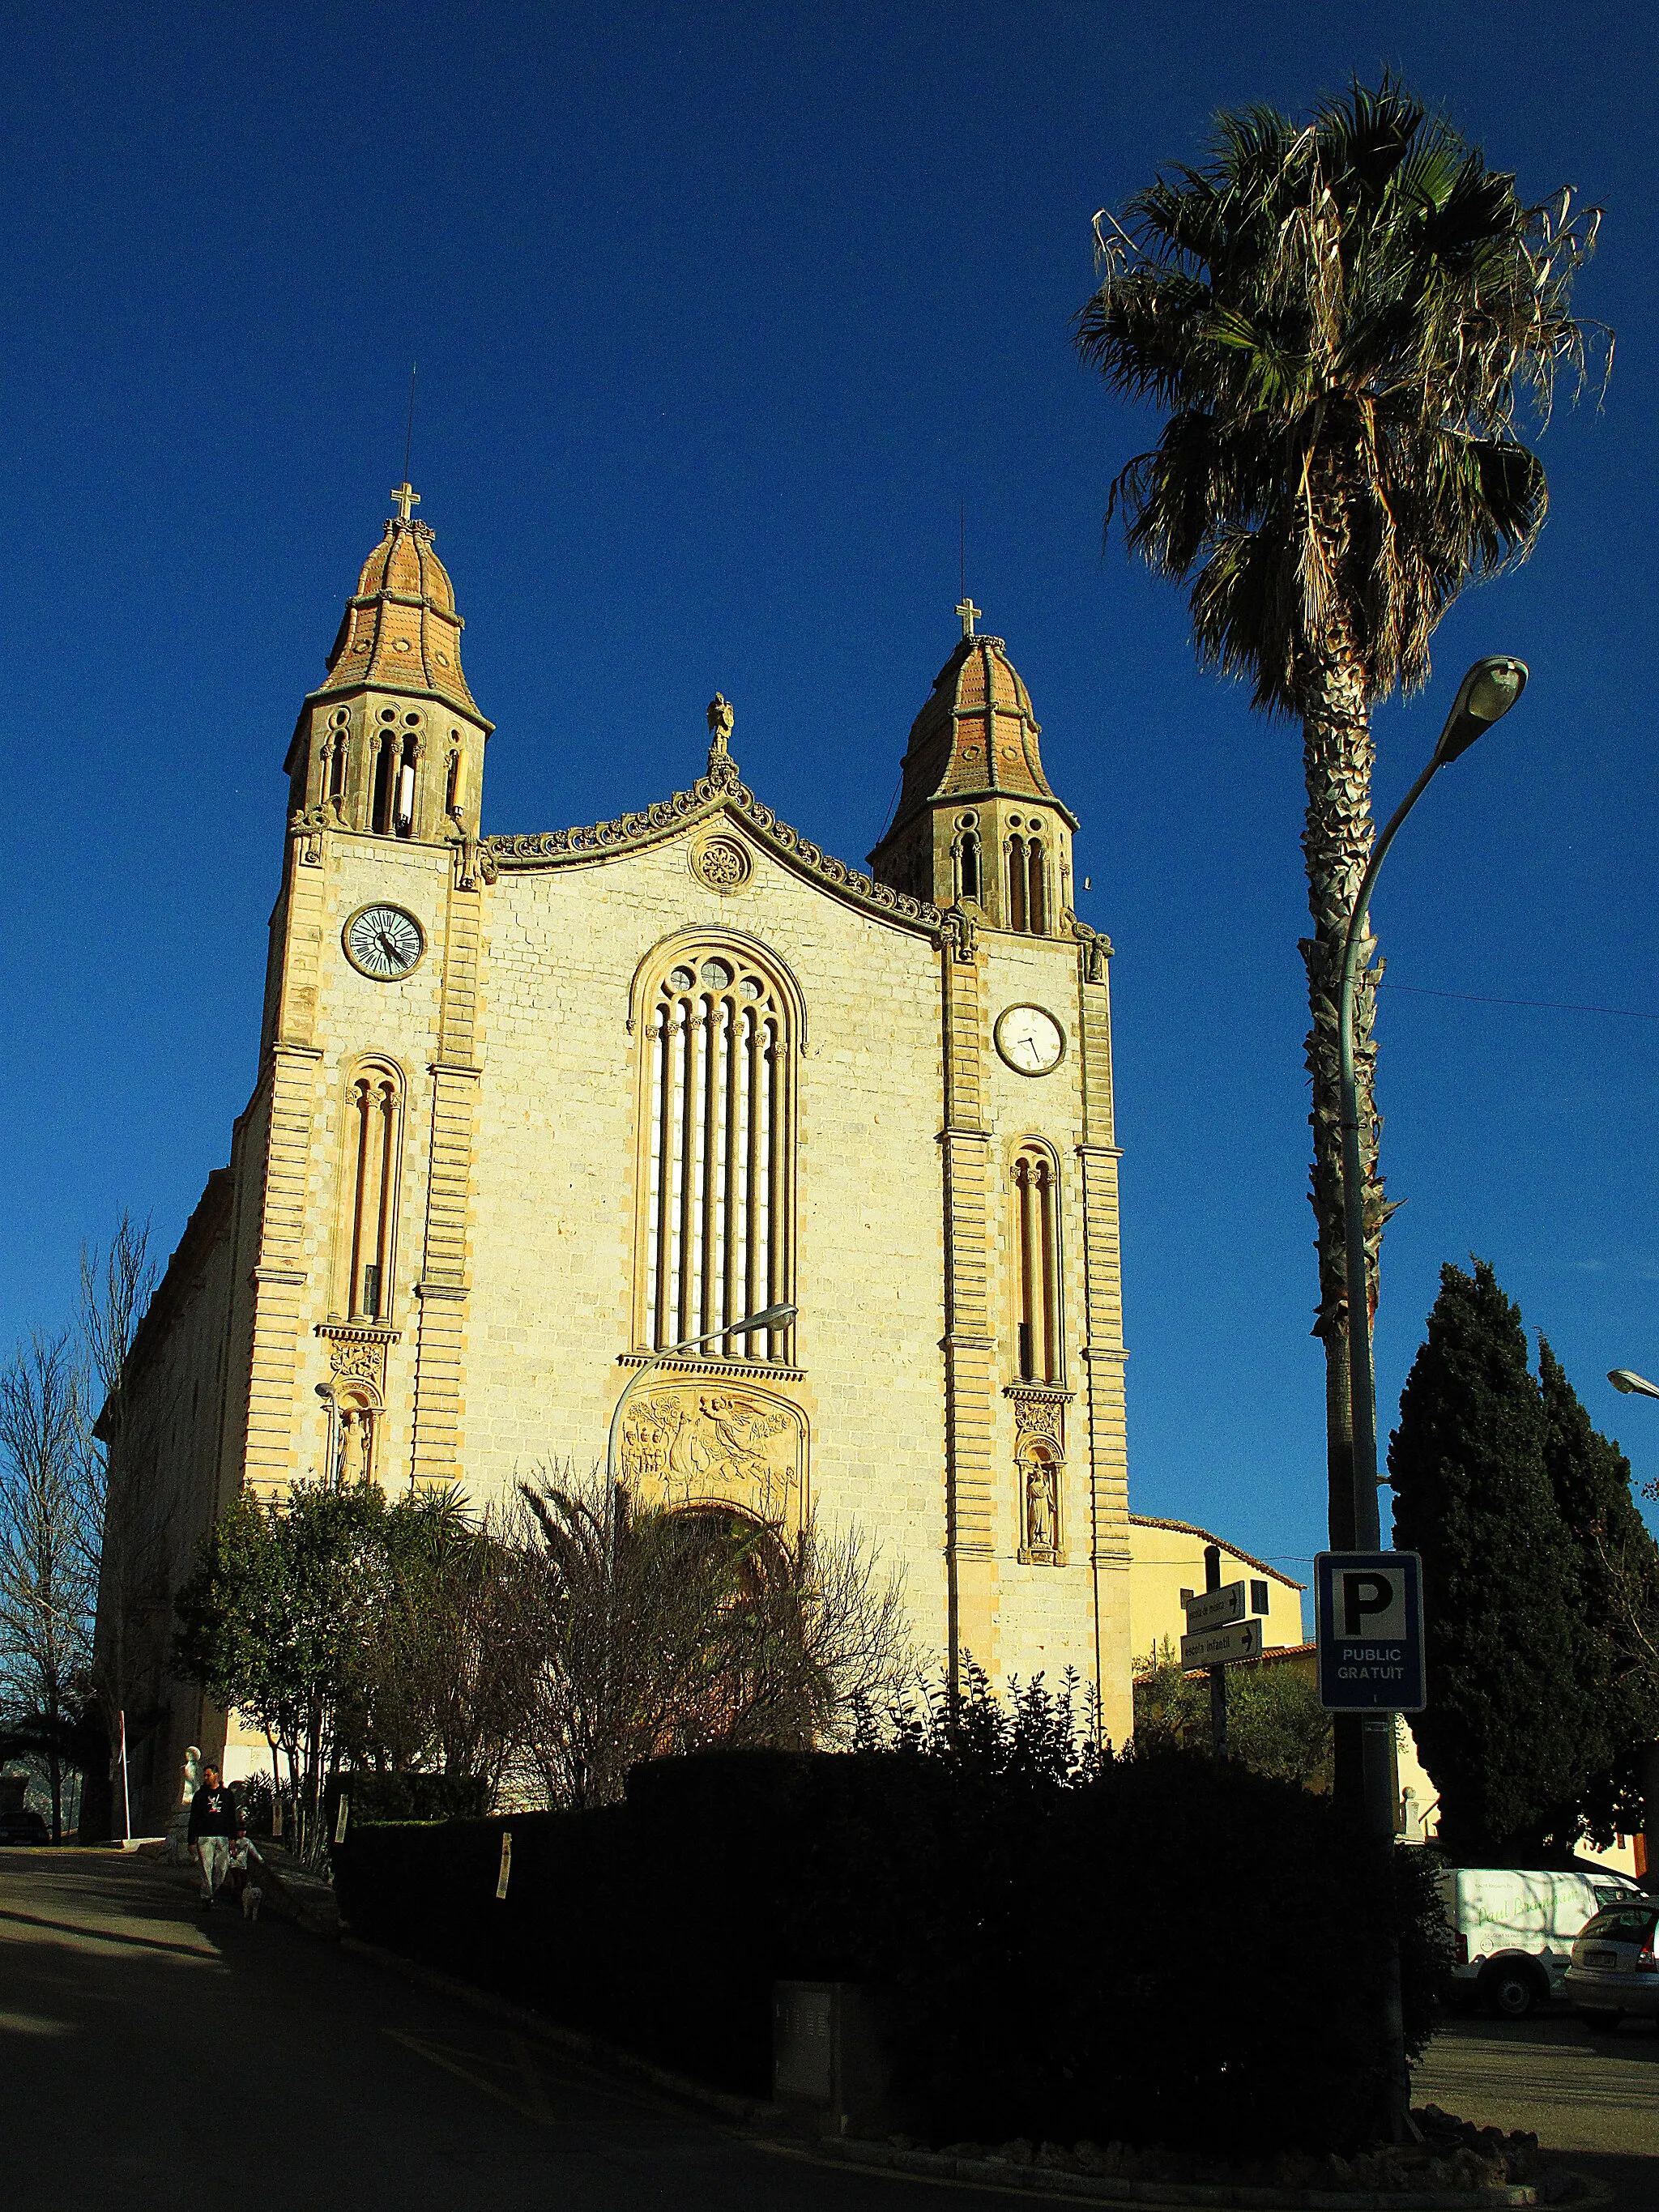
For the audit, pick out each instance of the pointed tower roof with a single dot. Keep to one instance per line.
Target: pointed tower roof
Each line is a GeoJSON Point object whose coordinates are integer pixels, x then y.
{"type": "Point", "coordinates": [976, 737]}
{"type": "Point", "coordinates": [400, 629]}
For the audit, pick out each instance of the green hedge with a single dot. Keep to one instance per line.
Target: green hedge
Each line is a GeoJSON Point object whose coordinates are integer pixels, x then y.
{"type": "Point", "coordinates": [1180, 1951]}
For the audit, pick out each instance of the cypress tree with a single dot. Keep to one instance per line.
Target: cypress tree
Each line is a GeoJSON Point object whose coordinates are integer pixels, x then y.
{"type": "Point", "coordinates": [1617, 1571]}
{"type": "Point", "coordinates": [1473, 1495]}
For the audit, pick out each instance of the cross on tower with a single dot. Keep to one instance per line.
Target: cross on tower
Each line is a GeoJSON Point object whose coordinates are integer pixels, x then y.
{"type": "Point", "coordinates": [404, 498]}
{"type": "Point", "coordinates": [969, 613]}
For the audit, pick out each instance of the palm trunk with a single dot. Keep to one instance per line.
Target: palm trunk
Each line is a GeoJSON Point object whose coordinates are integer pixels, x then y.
{"type": "Point", "coordinates": [1338, 754]}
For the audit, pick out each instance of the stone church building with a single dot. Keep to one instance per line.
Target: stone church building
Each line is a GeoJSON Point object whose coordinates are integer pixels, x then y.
{"type": "Point", "coordinates": [532, 1108]}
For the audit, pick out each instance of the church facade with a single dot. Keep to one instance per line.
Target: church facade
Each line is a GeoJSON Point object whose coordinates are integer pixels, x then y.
{"type": "Point", "coordinates": [534, 1109]}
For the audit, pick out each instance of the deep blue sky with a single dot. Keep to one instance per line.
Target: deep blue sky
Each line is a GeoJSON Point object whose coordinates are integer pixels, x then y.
{"type": "Point", "coordinates": [719, 312]}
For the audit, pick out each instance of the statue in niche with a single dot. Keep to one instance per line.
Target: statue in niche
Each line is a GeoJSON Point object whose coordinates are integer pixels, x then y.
{"type": "Point", "coordinates": [354, 1445]}
{"type": "Point", "coordinates": [1042, 1506]}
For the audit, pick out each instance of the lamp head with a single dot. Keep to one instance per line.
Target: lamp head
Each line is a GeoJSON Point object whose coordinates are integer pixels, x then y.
{"type": "Point", "coordinates": [772, 1317]}
{"type": "Point", "coordinates": [1487, 692]}
{"type": "Point", "coordinates": [1627, 1380]}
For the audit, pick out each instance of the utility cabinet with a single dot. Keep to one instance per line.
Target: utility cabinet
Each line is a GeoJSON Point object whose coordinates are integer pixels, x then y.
{"type": "Point", "coordinates": [829, 2061]}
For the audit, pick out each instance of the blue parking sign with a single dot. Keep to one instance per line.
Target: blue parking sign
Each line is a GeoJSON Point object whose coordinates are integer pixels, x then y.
{"type": "Point", "coordinates": [1368, 1612]}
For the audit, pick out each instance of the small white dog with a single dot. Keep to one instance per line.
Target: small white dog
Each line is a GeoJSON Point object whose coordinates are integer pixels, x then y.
{"type": "Point", "coordinates": [243, 1863]}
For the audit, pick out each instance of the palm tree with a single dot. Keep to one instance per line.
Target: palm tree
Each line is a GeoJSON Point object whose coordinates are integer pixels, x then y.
{"type": "Point", "coordinates": [1343, 321]}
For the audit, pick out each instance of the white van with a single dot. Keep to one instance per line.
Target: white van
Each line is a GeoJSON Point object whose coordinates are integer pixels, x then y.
{"type": "Point", "coordinates": [1515, 1929]}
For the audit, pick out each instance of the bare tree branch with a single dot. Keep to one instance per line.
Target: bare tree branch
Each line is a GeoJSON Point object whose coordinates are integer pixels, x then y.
{"type": "Point", "coordinates": [48, 1583]}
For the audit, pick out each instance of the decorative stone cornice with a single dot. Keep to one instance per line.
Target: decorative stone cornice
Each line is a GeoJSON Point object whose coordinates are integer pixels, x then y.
{"type": "Point", "coordinates": [358, 1332]}
{"type": "Point", "coordinates": [721, 792]}
{"type": "Point", "coordinates": [737, 1371]}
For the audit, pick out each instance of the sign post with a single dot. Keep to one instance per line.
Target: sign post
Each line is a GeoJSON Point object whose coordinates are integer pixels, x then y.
{"type": "Point", "coordinates": [1221, 1647]}
{"type": "Point", "coordinates": [1220, 1630]}
{"type": "Point", "coordinates": [1368, 1610]}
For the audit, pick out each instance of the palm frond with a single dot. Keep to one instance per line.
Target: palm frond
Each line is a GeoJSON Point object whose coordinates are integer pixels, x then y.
{"type": "Point", "coordinates": [1349, 323]}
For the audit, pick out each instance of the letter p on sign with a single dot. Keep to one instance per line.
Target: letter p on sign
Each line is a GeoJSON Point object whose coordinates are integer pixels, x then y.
{"type": "Point", "coordinates": [1372, 1603]}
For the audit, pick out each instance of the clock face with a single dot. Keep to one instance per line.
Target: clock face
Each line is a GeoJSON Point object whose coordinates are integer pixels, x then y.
{"type": "Point", "coordinates": [384, 942]}
{"type": "Point", "coordinates": [1030, 1039]}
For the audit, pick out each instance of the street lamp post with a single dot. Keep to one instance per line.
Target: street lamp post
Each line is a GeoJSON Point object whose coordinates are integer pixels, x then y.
{"type": "Point", "coordinates": [1487, 692]}
{"type": "Point", "coordinates": [1486, 695]}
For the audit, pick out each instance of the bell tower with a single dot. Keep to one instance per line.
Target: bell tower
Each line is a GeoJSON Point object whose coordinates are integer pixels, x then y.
{"type": "Point", "coordinates": [976, 825]}
{"type": "Point", "coordinates": [392, 743]}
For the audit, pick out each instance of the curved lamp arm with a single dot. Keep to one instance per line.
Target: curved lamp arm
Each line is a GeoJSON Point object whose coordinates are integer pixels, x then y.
{"type": "Point", "coordinates": [769, 1317]}
{"type": "Point", "coordinates": [1486, 693]}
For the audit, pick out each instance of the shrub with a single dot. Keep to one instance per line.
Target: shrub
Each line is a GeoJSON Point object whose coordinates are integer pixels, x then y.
{"type": "Point", "coordinates": [1169, 1948]}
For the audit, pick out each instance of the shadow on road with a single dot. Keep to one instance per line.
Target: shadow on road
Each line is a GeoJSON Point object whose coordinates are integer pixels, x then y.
{"type": "Point", "coordinates": [1592, 2098]}
{"type": "Point", "coordinates": [156, 2059]}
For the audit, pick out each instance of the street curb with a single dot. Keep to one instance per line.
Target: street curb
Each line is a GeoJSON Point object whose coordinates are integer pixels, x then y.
{"type": "Point", "coordinates": [1114, 2188]}
{"type": "Point", "coordinates": [758, 2117]}
{"type": "Point", "coordinates": [754, 2113]}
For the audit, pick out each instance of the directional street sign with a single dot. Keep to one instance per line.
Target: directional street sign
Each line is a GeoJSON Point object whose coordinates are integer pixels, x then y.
{"type": "Point", "coordinates": [1368, 1608]}
{"type": "Point", "coordinates": [1219, 1647]}
{"type": "Point", "coordinates": [1215, 1608]}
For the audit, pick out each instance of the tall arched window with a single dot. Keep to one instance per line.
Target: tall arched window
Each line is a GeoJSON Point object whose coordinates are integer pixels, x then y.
{"type": "Point", "coordinates": [1027, 883]}
{"type": "Point", "coordinates": [717, 1186]}
{"type": "Point", "coordinates": [968, 857]}
{"type": "Point", "coordinates": [1017, 883]}
{"type": "Point", "coordinates": [1037, 1265]}
{"type": "Point", "coordinates": [1036, 898]}
{"type": "Point", "coordinates": [385, 763]}
{"type": "Point", "coordinates": [403, 818]}
{"type": "Point", "coordinates": [336, 749]}
{"type": "Point", "coordinates": [371, 1149]}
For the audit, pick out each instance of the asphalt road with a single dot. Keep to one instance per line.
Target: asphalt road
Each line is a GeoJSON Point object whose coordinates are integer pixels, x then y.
{"type": "Point", "coordinates": [1592, 2099]}
{"type": "Point", "coordinates": [152, 2056]}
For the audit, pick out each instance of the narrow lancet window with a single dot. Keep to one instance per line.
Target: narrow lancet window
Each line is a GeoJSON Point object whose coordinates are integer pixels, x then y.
{"type": "Point", "coordinates": [385, 761]}
{"type": "Point", "coordinates": [373, 1133]}
{"type": "Point", "coordinates": [1036, 902]}
{"type": "Point", "coordinates": [967, 864]}
{"type": "Point", "coordinates": [336, 771]}
{"type": "Point", "coordinates": [1017, 883]}
{"type": "Point", "coordinates": [1037, 1253]}
{"type": "Point", "coordinates": [405, 820]}
{"type": "Point", "coordinates": [718, 1186]}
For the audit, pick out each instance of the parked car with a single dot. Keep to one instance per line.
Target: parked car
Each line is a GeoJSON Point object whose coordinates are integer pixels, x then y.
{"type": "Point", "coordinates": [23, 1827]}
{"type": "Point", "coordinates": [1614, 1970]}
{"type": "Point", "coordinates": [1515, 1928]}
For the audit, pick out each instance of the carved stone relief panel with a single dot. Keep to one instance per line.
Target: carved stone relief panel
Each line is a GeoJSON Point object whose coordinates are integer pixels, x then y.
{"type": "Point", "coordinates": [361, 1361]}
{"type": "Point", "coordinates": [691, 1443]}
{"type": "Point", "coordinates": [1039, 1415]}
